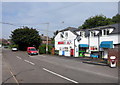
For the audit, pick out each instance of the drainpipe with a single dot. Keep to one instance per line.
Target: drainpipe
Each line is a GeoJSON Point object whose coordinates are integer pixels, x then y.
{"type": "Point", "coordinates": [99, 44]}
{"type": "Point", "coordinates": [89, 43]}
{"type": "Point", "coordinates": [74, 45]}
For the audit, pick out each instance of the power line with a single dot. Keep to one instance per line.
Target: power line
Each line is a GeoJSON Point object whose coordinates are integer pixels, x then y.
{"type": "Point", "coordinates": [24, 26]}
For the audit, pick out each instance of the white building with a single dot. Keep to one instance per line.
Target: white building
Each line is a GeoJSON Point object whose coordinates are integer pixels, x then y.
{"type": "Point", "coordinates": [95, 41]}
{"type": "Point", "coordinates": [64, 41]}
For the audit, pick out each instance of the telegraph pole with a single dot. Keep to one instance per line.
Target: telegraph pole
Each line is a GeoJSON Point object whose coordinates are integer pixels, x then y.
{"type": "Point", "coordinates": [47, 39]}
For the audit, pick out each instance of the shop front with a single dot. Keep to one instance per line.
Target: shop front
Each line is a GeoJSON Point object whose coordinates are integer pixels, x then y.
{"type": "Point", "coordinates": [105, 45]}
{"type": "Point", "coordinates": [94, 52]}
{"type": "Point", "coordinates": [65, 48]}
{"type": "Point", "coordinates": [83, 48]}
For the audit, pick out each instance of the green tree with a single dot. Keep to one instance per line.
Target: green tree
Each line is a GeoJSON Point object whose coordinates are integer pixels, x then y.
{"type": "Point", "coordinates": [42, 49]}
{"type": "Point", "coordinates": [25, 37]}
{"type": "Point", "coordinates": [116, 19]}
{"type": "Point", "coordinates": [98, 20]}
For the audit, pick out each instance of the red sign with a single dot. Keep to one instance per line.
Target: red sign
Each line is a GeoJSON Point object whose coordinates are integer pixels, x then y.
{"type": "Point", "coordinates": [64, 42]}
{"type": "Point", "coordinates": [60, 42]}
{"type": "Point", "coordinates": [67, 42]}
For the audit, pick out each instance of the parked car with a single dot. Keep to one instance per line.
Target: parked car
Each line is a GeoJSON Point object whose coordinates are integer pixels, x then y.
{"type": "Point", "coordinates": [14, 49]}
{"type": "Point", "coordinates": [5, 46]}
{"type": "Point", "coordinates": [0, 45]}
{"type": "Point", "coordinates": [32, 51]}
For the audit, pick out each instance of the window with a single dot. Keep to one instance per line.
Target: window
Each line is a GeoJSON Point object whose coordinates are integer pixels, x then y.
{"type": "Point", "coordinates": [66, 34]}
{"type": "Point", "coordinates": [61, 36]}
{"type": "Point", "coordinates": [82, 34]}
{"type": "Point", "coordinates": [106, 32]}
{"type": "Point", "coordinates": [66, 49]}
{"type": "Point", "coordinates": [92, 34]}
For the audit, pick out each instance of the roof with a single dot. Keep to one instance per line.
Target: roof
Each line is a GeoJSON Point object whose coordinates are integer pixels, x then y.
{"type": "Point", "coordinates": [87, 31]}
{"type": "Point", "coordinates": [45, 38]}
{"type": "Point", "coordinates": [115, 26]}
{"type": "Point", "coordinates": [72, 29]}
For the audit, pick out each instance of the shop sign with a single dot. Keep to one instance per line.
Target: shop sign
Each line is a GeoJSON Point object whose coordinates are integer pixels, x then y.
{"type": "Point", "coordinates": [64, 42]}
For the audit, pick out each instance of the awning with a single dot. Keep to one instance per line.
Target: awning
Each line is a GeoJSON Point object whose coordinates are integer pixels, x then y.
{"type": "Point", "coordinates": [84, 45]}
{"type": "Point", "coordinates": [106, 44]}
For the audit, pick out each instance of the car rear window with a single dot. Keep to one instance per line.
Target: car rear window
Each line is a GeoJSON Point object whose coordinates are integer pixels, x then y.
{"type": "Point", "coordinates": [33, 49]}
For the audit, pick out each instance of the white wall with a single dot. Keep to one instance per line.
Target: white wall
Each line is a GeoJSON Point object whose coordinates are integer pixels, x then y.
{"type": "Point", "coordinates": [70, 37]}
{"type": "Point", "coordinates": [113, 37]}
{"type": "Point", "coordinates": [94, 42]}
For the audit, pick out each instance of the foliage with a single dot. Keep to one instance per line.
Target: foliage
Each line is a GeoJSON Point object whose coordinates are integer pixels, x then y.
{"type": "Point", "coordinates": [98, 20]}
{"type": "Point", "coordinates": [25, 37]}
{"type": "Point", "coordinates": [13, 45]}
{"type": "Point", "coordinates": [42, 49]}
{"type": "Point", "coordinates": [116, 19]}
{"type": "Point", "coordinates": [49, 49]}
{"type": "Point", "coordinates": [53, 42]}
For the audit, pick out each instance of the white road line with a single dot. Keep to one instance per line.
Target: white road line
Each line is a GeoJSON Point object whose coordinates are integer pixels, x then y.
{"type": "Point", "coordinates": [32, 63]}
{"type": "Point", "coordinates": [18, 57]}
{"type": "Point", "coordinates": [26, 61]}
{"type": "Point", "coordinates": [29, 62]}
{"type": "Point", "coordinates": [60, 75]}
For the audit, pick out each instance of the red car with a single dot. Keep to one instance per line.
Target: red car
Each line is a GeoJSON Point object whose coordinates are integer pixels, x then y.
{"type": "Point", "coordinates": [32, 51]}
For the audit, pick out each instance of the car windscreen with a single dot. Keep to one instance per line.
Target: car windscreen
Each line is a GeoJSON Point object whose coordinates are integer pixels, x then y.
{"type": "Point", "coordinates": [33, 49]}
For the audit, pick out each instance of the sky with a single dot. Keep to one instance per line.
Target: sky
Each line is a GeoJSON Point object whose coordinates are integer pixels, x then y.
{"type": "Point", "coordinates": [36, 14]}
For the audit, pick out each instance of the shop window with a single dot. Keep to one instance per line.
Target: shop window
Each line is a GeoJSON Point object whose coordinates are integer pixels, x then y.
{"type": "Point", "coordinates": [66, 49]}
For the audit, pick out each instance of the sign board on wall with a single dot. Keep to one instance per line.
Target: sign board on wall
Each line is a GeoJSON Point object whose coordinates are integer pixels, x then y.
{"type": "Point", "coordinates": [66, 42]}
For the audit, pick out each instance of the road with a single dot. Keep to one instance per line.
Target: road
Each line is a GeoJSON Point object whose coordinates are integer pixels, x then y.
{"type": "Point", "coordinates": [18, 67]}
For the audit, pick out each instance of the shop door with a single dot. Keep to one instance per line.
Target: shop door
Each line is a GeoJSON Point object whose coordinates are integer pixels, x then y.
{"type": "Point", "coordinates": [72, 52]}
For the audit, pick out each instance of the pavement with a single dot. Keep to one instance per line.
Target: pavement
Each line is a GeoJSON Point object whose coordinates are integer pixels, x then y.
{"type": "Point", "coordinates": [18, 67]}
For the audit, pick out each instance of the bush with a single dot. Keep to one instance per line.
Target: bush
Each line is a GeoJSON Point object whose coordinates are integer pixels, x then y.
{"type": "Point", "coordinates": [49, 49]}
{"type": "Point", "coordinates": [13, 46]}
{"type": "Point", "coordinates": [42, 49]}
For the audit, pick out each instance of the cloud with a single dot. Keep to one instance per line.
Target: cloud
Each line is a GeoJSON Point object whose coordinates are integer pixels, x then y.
{"type": "Point", "coordinates": [34, 14]}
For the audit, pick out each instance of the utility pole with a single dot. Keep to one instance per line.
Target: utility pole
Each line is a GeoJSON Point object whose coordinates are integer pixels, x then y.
{"type": "Point", "coordinates": [47, 39]}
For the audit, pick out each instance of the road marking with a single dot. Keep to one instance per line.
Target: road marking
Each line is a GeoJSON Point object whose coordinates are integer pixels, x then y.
{"type": "Point", "coordinates": [32, 63]}
{"type": "Point", "coordinates": [26, 61]}
{"type": "Point", "coordinates": [18, 57]}
{"type": "Point", "coordinates": [10, 70]}
{"type": "Point", "coordinates": [29, 62]}
{"type": "Point", "coordinates": [60, 75]}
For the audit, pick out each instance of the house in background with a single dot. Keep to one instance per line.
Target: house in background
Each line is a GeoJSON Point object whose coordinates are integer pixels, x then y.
{"type": "Point", "coordinates": [44, 39]}
{"type": "Point", "coordinates": [5, 41]}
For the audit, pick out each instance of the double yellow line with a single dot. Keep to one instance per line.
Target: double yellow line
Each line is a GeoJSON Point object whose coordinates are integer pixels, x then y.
{"type": "Point", "coordinates": [10, 70]}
